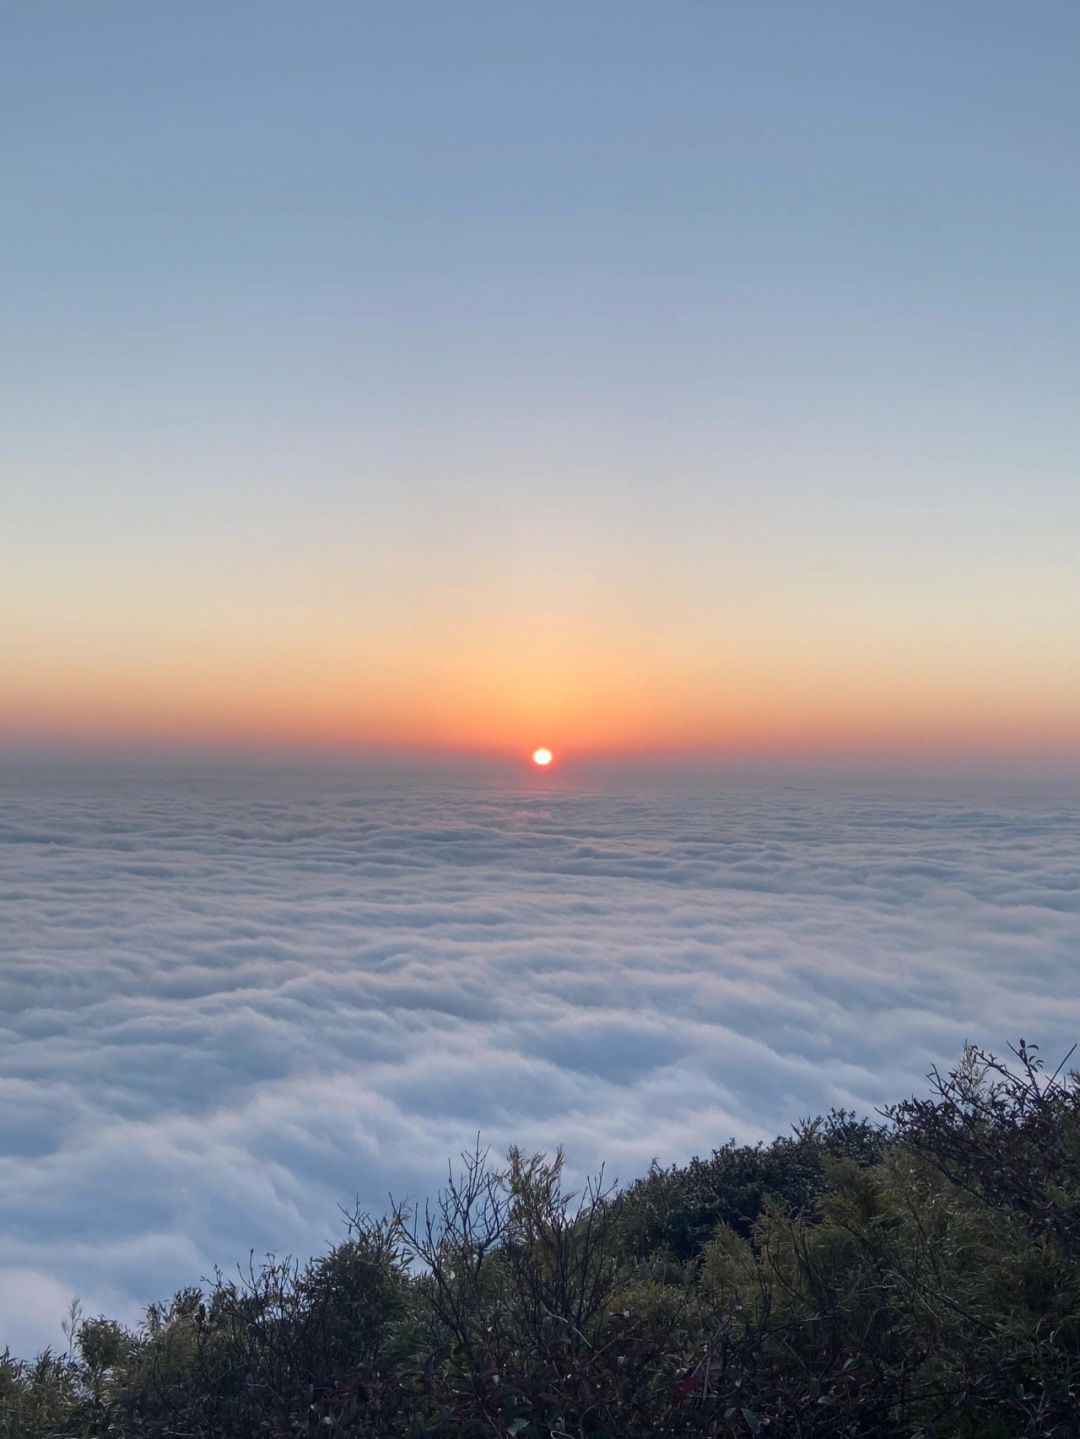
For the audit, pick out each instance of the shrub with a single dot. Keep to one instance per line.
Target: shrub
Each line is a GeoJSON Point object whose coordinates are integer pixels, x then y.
{"type": "Point", "coordinates": [919, 1277]}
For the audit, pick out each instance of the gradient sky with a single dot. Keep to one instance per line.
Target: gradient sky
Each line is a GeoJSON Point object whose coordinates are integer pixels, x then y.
{"type": "Point", "coordinates": [610, 376]}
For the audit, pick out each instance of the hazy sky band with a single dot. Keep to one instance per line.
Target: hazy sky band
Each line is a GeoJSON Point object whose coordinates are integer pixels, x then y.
{"type": "Point", "coordinates": [608, 376]}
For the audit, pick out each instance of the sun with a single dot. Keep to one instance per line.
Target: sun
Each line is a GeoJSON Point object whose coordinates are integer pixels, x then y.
{"type": "Point", "coordinates": [542, 757]}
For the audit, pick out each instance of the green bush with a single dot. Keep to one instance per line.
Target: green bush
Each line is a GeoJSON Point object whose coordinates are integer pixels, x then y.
{"type": "Point", "coordinates": [912, 1279]}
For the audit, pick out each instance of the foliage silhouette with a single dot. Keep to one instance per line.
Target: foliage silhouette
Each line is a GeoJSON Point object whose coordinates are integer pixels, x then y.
{"type": "Point", "coordinates": [916, 1276]}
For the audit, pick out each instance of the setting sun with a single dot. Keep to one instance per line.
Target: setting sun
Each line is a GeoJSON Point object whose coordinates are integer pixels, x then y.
{"type": "Point", "coordinates": [542, 756]}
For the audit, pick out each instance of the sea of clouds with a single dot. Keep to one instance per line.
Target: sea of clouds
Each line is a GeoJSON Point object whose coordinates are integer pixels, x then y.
{"type": "Point", "coordinates": [236, 1000]}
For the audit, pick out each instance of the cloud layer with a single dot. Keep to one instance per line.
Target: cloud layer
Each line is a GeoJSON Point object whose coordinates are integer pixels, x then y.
{"type": "Point", "coordinates": [231, 1003]}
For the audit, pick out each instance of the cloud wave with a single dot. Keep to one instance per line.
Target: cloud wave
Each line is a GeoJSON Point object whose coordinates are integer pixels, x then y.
{"type": "Point", "coordinates": [229, 1008]}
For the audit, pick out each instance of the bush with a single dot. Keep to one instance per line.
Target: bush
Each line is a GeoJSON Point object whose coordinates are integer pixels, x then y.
{"type": "Point", "coordinates": [916, 1279]}
{"type": "Point", "coordinates": [675, 1211]}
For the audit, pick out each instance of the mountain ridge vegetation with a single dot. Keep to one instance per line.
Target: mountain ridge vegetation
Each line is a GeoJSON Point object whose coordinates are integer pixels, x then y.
{"type": "Point", "coordinates": [917, 1275]}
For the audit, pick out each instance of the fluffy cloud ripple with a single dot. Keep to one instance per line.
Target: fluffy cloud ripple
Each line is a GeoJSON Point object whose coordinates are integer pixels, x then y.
{"type": "Point", "coordinates": [232, 1002]}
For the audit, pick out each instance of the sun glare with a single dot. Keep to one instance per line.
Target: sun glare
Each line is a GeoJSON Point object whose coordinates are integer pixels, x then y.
{"type": "Point", "coordinates": [542, 756]}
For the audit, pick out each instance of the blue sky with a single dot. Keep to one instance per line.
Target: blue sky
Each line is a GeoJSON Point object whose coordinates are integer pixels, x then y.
{"type": "Point", "coordinates": [632, 321]}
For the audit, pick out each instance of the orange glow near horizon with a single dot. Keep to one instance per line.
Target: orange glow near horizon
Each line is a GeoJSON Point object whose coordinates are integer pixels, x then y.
{"type": "Point", "coordinates": [470, 711]}
{"type": "Point", "coordinates": [800, 683]}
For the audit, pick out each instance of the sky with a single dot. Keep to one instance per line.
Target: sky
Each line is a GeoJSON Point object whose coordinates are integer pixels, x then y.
{"type": "Point", "coordinates": [618, 377]}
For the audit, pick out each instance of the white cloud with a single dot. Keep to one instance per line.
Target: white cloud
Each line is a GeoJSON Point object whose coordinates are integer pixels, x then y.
{"type": "Point", "coordinates": [33, 1305]}
{"type": "Point", "coordinates": [228, 1010]}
